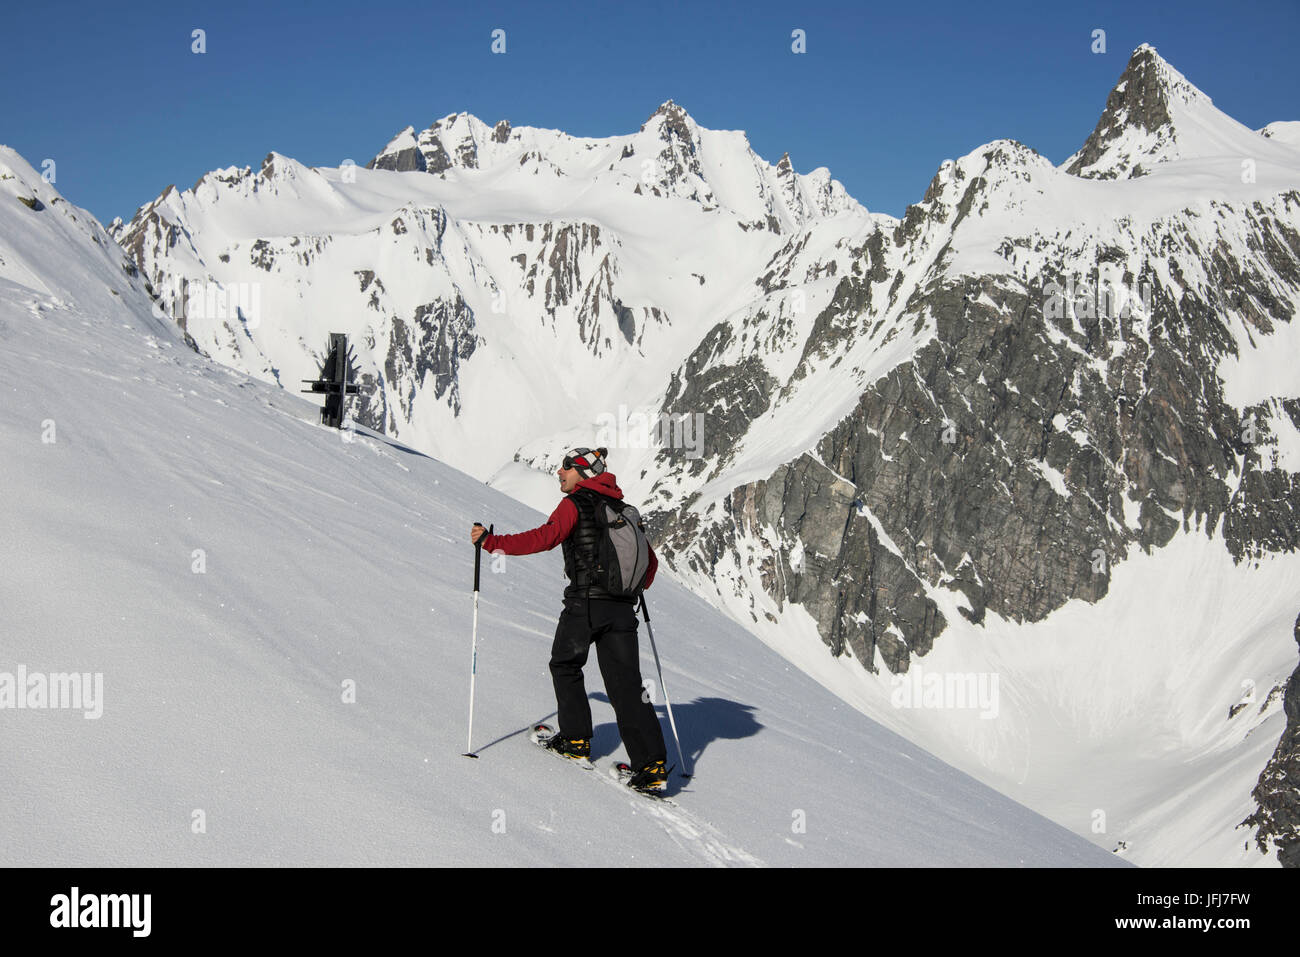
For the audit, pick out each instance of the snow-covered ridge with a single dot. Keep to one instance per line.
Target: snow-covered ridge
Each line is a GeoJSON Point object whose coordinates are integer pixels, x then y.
{"type": "Point", "coordinates": [1285, 131]}
{"type": "Point", "coordinates": [91, 274]}
{"type": "Point", "coordinates": [670, 155]}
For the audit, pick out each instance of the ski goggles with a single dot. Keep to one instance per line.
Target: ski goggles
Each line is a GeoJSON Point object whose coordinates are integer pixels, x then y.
{"type": "Point", "coordinates": [578, 457]}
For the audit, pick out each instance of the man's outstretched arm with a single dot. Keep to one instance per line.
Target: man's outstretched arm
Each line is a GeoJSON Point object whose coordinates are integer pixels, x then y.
{"type": "Point", "coordinates": [540, 539]}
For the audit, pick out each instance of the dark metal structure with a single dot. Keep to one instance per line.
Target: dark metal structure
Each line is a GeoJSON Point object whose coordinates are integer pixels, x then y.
{"type": "Point", "coordinates": [337, 380]}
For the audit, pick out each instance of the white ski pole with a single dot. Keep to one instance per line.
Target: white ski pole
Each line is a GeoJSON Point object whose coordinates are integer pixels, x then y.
{"type": "Point", "coordinates": [672, 723]}
{"type": "Point", "coordinates": [473, 664]}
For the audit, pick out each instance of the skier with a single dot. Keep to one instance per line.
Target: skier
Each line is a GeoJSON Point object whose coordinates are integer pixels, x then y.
{"type": "Point", "coordinates": [592, 616]}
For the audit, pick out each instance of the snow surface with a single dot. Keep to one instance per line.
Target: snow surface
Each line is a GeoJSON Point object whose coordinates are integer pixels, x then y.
{"type": "Point", "coordinates": [235, 571]}
{"type": "Point", "coordinates": [1264, 366]}
{"type": "Point", "coordinates": [1284, 131]}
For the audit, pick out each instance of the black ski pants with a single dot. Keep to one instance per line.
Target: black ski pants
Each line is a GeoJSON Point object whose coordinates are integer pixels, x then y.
{"type": "Point", "coordinates": [611, 626]}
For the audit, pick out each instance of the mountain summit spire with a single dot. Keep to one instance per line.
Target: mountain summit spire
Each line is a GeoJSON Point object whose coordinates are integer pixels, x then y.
{"type": "Point", "coordinates": [1136, 129]}
{"type": "Point", "coordinates": [676, 122]}
{"type": "Point", "coordinates": [1155, 115]}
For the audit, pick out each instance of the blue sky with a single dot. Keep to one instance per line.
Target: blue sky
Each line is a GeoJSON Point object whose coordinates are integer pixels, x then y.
{"type": "Point", "coordinates": [885, 92]}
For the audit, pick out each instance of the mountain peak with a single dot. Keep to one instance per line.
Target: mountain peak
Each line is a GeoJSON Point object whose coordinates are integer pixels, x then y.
{"type": "Point", "coordinates": [278, 166]}
{"type": "Point", "coordinates": [673, 121]}
{"type": "Point", "coordinates": [1156, 78]}
{"type": "Point", "coordinates": [1139, 126]}
{"type": "Point", "coordinates": [451, 141]}
{"type": "Point", "coordinates": [1154, 116]}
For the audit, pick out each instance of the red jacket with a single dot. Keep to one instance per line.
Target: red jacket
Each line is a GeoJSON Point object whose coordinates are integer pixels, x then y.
{"type": "Point", "coordinates": [559, 525]}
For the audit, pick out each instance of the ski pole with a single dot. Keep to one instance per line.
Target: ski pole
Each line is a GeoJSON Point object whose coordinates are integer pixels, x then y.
{"type": "Point", "coordinates": [680, 757]}
{"type": "Point", "coordinates": [473, 664]}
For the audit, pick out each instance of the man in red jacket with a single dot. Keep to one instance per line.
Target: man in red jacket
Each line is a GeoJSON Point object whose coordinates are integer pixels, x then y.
{"type": "Point", "coordinates": [592, 615]}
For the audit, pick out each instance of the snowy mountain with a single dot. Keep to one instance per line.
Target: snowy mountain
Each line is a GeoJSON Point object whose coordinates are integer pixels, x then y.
{"type": "Point", "coordinates": [514, 276]}
{"type": "Point", "coordinates": [1154, 115]}
{"type": "Point", "coordinates": [1010, 420]}
{"type": "Point", "coordinates": [669, 156]}
{"type": "Point", "coordinates": [1032, 381]}
{"type": "Point", "coordinates": [272, 621]}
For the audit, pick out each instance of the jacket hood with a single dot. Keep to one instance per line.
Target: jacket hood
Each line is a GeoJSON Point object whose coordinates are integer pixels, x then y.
{"type": "Point", "coordinates": [604, 483]}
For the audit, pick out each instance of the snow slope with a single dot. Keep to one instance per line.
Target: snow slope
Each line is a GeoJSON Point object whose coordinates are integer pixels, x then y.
{"type": "Point", "coordinates": [237, 573]}
{"type": "Point", "coordinates": [1149, 713]}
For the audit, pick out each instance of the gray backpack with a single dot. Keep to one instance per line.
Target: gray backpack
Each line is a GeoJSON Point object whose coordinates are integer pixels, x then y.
{"type": "Point", "coordinates": [622, 550]}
